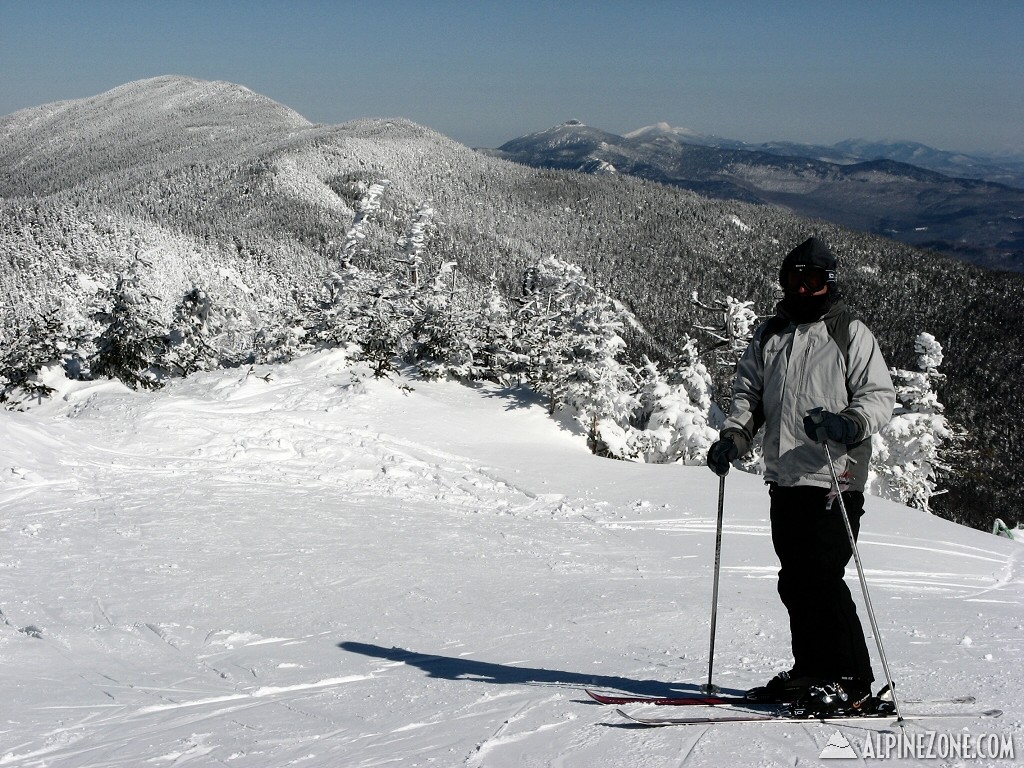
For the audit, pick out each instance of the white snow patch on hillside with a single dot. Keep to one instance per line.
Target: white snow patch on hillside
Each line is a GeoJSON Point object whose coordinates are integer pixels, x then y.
{"type": "Point", "coordinates": [303, 565]}
{"type": "Point", "coordinates": [738, 222]}
{"type": "Point", "coordinates": [296, 177]}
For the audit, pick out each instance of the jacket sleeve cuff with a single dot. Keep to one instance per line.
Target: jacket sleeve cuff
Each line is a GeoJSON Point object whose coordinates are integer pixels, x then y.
{"type": "Point", "coordinates": [860, 426]}
{"type": "Point", "coordinates": [739, 437]}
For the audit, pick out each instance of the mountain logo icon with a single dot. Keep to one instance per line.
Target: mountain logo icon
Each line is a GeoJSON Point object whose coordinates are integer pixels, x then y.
{"type": "Point", "coordinates": [838, 747]}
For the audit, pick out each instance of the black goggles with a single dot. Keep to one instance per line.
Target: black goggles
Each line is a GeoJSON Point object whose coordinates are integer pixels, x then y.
{"type": "Point", "coordinates": [811, 278]}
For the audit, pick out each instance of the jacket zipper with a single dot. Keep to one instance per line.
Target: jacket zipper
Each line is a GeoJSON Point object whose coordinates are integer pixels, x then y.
{"type": "Point", "coordinates": [805, 362]}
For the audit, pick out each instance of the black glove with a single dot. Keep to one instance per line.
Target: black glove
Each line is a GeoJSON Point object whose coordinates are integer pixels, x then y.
{"type": "Point", "coordinates": [820, 425]}
{"type": "Point", "coordinates": [721, 455]}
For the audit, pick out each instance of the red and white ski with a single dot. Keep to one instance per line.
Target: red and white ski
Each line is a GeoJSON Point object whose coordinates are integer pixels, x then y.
{"type": "Point", "coordinates": [726, 700]}
{"type": "Point", "coordinates": [888, 718]}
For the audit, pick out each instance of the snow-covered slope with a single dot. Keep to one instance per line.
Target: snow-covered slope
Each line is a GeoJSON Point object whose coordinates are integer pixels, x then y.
{"type": "Point", "coordinates": [136, 133]}
{"type": "Point", "coordinates": [297, 565]}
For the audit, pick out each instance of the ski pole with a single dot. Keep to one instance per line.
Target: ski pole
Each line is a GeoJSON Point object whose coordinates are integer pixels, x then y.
{"type": "Point", "coordinates": [863, 584]}
{"type": "Point", "coordinates": [710, 687]}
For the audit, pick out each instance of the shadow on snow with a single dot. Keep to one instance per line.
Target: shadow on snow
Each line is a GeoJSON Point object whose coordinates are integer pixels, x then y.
{"type": "Point", "coordinates": [454, 668]}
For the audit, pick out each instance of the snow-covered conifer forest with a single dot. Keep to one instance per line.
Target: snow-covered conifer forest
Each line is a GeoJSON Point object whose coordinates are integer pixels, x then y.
{"type": "Point", "coordinates": [173, 225]}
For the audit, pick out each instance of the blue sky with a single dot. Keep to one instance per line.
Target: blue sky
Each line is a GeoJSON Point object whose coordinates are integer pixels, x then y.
{"type": "Point", "coordinates": [949, 74]}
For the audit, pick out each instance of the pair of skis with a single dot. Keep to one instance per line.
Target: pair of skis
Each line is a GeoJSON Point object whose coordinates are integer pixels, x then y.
{"type": "Point", "coordinates": [727, 701]}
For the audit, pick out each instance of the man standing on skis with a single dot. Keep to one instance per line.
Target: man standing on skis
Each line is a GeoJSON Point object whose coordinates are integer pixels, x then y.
{"type": "Point", "coordinates": [812, 373]}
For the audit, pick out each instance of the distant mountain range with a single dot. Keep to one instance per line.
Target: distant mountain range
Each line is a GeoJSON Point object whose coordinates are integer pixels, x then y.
{"type": "Point", "coordinates": [1003, 169]}
{"type": "Point", "coordinates": [969, 207]}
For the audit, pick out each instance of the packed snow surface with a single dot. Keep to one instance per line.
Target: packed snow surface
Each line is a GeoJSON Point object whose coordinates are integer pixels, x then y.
{"type": "Point", "coordinates": [301, 565]}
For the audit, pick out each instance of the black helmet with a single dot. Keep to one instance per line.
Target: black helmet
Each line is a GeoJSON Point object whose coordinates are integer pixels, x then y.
{"type": "Point", "coordinates": [811, 253]}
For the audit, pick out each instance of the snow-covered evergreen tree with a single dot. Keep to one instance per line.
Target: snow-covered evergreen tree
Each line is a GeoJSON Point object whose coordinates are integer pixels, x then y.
{"type": "Point", "coordinates": [734, 329]}
{"type": "Point", "coordinates": [25, 352]}
{"type": "Point", "coordinates": [674, 420]}
{"type": "Point", "coordinates": [494, 335]}
{"type": "Point", "coordinates": [198, 332]}
{"type": "Point", "coordinates": [353, 303]}
{"type": "Point", "coordinates": [414, 242]}
{"type": "Point", "coordinates": [332, 317]}
{"type": "Point", "coordinates": [384, 322]}
{"type": "Point", "coordinates": [290, 335]}
{"type": "Point", "coordinates": [133, 339]}
{"type": "Point", "coordinates": [553, 291]}
{"type": "Point", "coordinates": [913, 449]}
{"type": "Point", "coordinates": [443, 338]}
{"type": "Point", "coordinates": [568, 344]}
{"type": "Point", "coordinates": [599, 385]}
{"type": "Point", "coordinates": [369, 204]}
{"type": "Point", "coordinates": [733, 326]}
{"type": "Point", "coordinates": [535, 338]}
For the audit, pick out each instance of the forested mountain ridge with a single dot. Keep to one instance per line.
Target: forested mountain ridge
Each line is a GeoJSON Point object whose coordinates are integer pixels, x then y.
{"type": "Point", "coordinates": [978, 221]}
{"type": "Point", "coordinates": [219, 188]}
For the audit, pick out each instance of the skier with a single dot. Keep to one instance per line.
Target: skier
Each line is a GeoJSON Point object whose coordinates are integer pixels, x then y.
{"type": "Point", "coordinates": [810, 373]}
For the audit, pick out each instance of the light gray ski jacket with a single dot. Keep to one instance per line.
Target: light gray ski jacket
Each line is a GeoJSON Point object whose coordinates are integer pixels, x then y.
{"type": "Point", "coordinates": [799, 368]}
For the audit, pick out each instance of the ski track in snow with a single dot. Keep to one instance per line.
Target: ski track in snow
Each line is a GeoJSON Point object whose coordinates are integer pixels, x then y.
{"type": "Point", "coordinates": [303, 566]}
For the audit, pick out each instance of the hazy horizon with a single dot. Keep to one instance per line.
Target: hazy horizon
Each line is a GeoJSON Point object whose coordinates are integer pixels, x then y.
{"type": "Point", "coordinates": [944, 74]}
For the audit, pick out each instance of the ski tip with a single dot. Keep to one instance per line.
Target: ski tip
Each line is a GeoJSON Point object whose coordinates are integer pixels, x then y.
{"type": "Point", "coordinates": [628, 716]}
{"type": "Point", "coordinates": [639, 720]}
{"type": "Point", "coordinates": [961, 700]}
{"type": "Point", "coordinates": [609, 698]}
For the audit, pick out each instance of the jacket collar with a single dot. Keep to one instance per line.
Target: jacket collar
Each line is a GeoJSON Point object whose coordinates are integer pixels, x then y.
{"type": "Point", "coordinates": [831, 308]}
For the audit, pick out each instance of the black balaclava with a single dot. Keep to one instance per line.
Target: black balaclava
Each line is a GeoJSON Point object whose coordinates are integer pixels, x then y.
{"type": "Point", "coordinates": [805, 308]}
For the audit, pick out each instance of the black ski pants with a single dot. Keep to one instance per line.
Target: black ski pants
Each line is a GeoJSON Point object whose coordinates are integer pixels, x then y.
{"type": "Point", "coordinates": [813, 547]}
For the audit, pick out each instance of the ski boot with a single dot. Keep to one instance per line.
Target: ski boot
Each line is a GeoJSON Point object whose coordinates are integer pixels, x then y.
{"type": "Point", "coordinates": [882, 703]}
{"type": "Point", "coordinates": [785, 688]}
{"type": "Point", "coordinates": [834, 699]}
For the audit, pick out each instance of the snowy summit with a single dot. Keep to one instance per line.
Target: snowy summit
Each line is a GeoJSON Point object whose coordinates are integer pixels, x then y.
{"type": "Point", "coordinates": [664, 129]}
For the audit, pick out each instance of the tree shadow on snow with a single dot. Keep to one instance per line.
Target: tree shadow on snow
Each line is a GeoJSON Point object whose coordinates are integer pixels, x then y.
{"type": "Point", "coordinates": [516, 398]}
{"type": "Point", "coordinates": [522, 397]}
{"type": "Point", "coordinates": [455, 668]}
